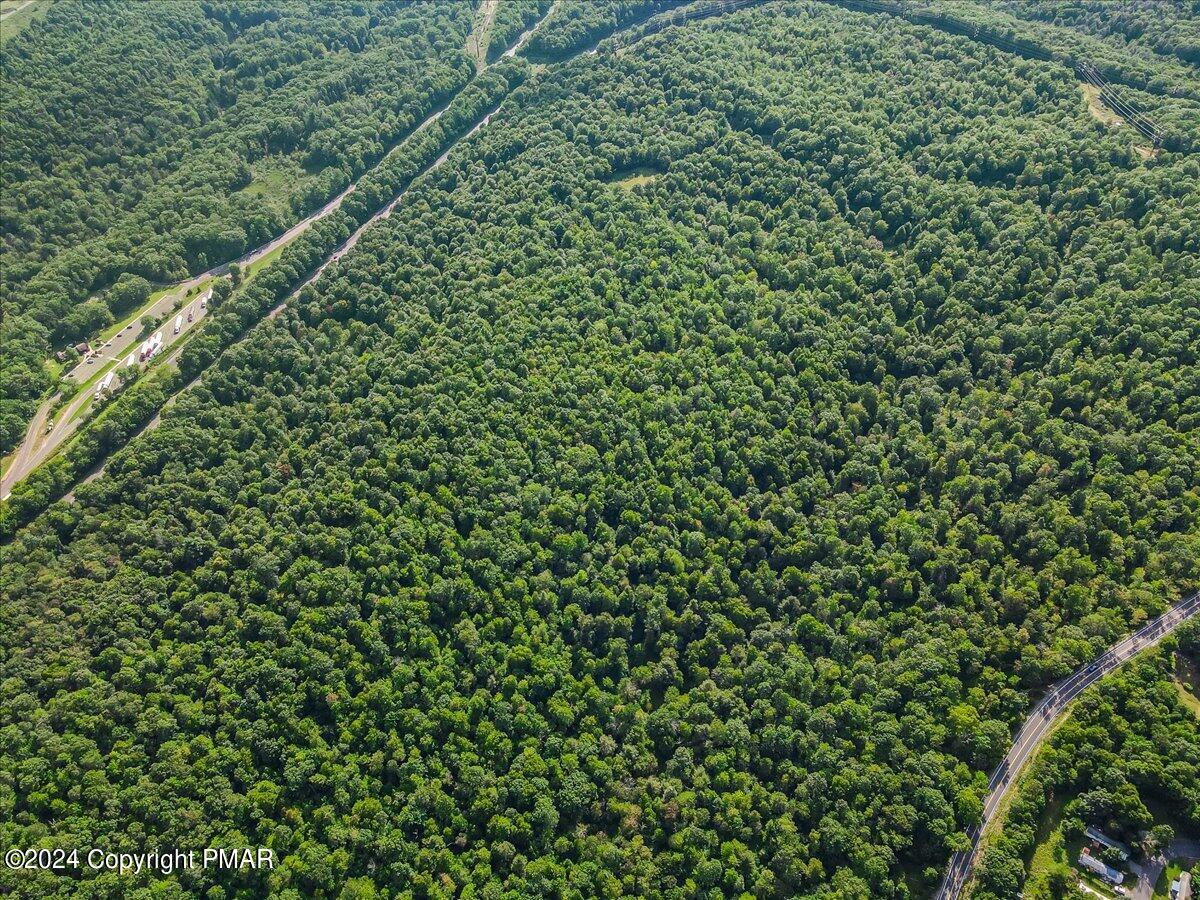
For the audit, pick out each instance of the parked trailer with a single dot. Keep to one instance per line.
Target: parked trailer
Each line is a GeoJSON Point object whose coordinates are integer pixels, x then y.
{"type": "Point", "coordinates": [150, 347]}
{"type": "Point", "coordinates": [104, 384]}
{"type": "Point", "coordinates": [131, 359]}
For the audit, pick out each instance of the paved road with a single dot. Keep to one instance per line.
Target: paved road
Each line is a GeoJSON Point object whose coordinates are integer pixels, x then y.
{"type": "Point", "coordinates": [1149, 872]}
{"type": "Point", "coordinates": [1147, 877]}
{"type": "Point", "coordinates": [66, 425]}
{"type": "Point", "coordinates": [20, 461]}
{"type": "Point", "coordinates": [37, 447]}
{"type": "Point", "coordinates": [129, 335]}
{"type": "Point", "coordinates": [40, 444]}
{"type": "Point", "coordinates": [46, 448]}
{"type": "Point", "coordinates": [1044, 717]}
{"type": "Point", "coordinates": [521, 41]}
{"type": "Point", "coordinates": [33, 454]}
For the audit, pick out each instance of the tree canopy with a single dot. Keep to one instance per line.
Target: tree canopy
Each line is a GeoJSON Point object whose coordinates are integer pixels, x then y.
{"type": "Point", "coordinates": [678, 495]}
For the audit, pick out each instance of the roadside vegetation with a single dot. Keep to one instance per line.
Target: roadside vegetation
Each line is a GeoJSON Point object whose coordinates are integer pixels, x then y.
{"type": "Point", "coordinates": [574, 25]}
{"type": "Point", "coordinates": [513, 18]}
{"type": "Point", "coordinates": [1126, 761]}
{"type": "Point", "coordinates": [265, 286]}
{"type": "Point", "coordinates": [587, 533]}
{"type": "Point", "coordinates": [15, 15]}
{"type": "Point", "coordinates": [165, 170]}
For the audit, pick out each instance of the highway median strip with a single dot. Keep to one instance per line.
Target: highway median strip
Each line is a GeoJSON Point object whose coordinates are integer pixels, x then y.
{"type": "Point", "coordinates": [230, 319]}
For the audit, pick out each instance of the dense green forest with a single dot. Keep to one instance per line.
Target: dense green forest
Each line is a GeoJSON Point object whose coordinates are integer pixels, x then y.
{"type": "Point", "coordinates": [1137, 69]}
{"type": "Point", "coordinates": [207, 129]}
{"type": "Point", "coordinates": [576, 25]}
{"type": "Point", "coordinates": [1130, 740]}
{"type": "Point", "coordinates": [513, 18]}
{"type": "Point", "coordinates": [678, 495]}
{"type": "Point", "coordinates": [1171, 28]}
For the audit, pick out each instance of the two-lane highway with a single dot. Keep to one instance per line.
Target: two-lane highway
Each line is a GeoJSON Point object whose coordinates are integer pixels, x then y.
{"type": "Point", "coordinates": [1042, 720]}
{"type": "Point", "coordinates": [38, 446]}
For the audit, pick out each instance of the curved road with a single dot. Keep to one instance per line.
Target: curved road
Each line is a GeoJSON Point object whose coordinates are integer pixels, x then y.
{"type": "Point", "coordinates": [1043, 719]}
{"type": "Point", "coordinates": [38, 446]}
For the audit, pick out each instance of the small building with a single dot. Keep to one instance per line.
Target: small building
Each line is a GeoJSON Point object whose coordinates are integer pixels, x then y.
{"type": "Point", "coordinates": [1095, 834]}
{"type": "Point", "coordinates": [1099, 867]}
{"type": "Point", "coordinates": [1181, 887]}
{"type": "Point", "coordinates": [81, 348]}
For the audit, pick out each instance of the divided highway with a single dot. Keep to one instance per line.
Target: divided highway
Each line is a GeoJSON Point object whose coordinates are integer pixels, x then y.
{"type": "Point", "coordinates": [1042, 720]}
{"type": "Point", "coordinates": [38, 445]}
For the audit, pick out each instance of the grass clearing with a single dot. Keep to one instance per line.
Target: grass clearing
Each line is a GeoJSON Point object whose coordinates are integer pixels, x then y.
{"type": "Point", "coordinates": [1187, 681]}
{"type": "Point", "coordinates": [628, 179]}
{"type": "Point", "coordinates": [1162, 887]}
{"type": "Point", "coordinates": [16, 14]}
{"type": "Point", "coordinates": [1050, 852]}
{"type": "Point", "coordinates": [276, 180]}
{"type": "Point", "coordinates": [1190, 700]}
{"type": "Point", "coordinates": [1099, 111]}
{"type": "Point", "coordinates": [481, 33]}
{"type": "Point", "coordinates": [263, 261]}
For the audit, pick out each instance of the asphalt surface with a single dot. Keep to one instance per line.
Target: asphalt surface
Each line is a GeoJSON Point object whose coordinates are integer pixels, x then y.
{"type": "Point", "coordinates": [26, 461]}
{"type": "Point", "coordinates": [39, 444]}
{"type": "Point", "coordinates": [128, 336]}
{"type": "Point", "coordinates": [1042, 720]}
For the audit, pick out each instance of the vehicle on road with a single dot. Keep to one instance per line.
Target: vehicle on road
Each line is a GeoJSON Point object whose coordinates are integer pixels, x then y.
{"type": "Point", "coordinates": [962, 863]}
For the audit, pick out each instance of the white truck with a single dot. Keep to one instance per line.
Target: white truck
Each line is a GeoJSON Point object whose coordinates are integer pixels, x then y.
{"type": "Point", "coordinates": [104, 384]}
{"type": "Point", "coordinates": [179, 323]}
{"type": "Point", "coordinates": [150, 347]}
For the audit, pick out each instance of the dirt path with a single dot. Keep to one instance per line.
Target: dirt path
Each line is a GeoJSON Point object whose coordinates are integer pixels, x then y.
{"type": "Point", "coordinates": [13, 10]}
{"type": "Point", "coordinates": [481, 33]}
